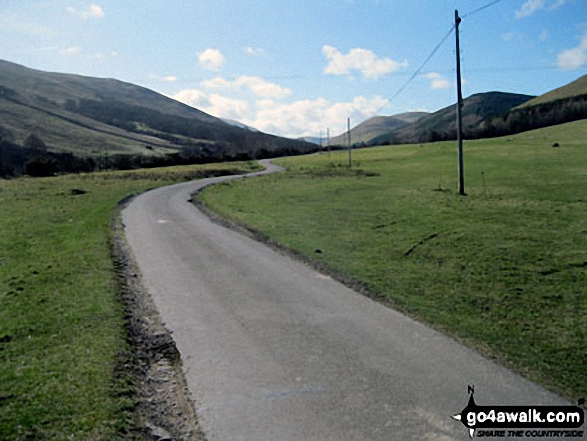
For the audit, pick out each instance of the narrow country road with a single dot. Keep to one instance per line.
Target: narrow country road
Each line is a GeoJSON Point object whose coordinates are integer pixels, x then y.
{"type": "Point", "coordinates": [273, 350]}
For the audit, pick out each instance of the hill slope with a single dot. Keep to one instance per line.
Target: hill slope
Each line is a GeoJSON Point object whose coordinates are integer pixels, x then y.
{"type": "Point", "coordinates": [573, 89]}
{"type": "Point", "coordinates": [377, 126]}
{"type": "Point", "coordinates": [441, 125]}
{"type": "Point", "coordinates": [95, 117]}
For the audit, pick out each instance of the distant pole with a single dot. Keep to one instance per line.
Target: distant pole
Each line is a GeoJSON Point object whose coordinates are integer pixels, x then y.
{"type": "Point", "coordinates": [321, 144]}
{"type": "Point", "coordinates": [350, 145]}
{"type": "Point", "coordinates": [328, 140]}
{"type": "Point", "coordinates": [459, 107]}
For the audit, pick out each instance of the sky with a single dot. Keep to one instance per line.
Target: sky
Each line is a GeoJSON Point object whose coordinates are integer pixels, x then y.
{"type": "Point", "coordinates": [302, 67]}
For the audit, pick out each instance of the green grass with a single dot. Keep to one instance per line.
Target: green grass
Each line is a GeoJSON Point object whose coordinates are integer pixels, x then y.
{"type": "Point", "coordinates": [61, 324]}
{"type": "Point", "coordinates": [503, 269]}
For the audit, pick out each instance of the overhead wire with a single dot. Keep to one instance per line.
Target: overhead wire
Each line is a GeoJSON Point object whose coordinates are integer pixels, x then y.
{"type": "Point", "coordinates": [438, 46]}
{"type": "Point", "coordinates": [417, 72]}
{"type": "Point", "coordinates": [468, 14]}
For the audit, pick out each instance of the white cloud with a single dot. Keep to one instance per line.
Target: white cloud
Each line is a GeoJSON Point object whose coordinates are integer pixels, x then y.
{"type": "Point", "coordinates": [293, 119]}
{"type": "Point", "coordinates": [544, 35]}
{"type": "Point", "coordinates": [70, 51]}
{"type": "Point", "coordinates": [437, 81]}
{"type": "Point", "coordinates": [92, 11]}
{"type": "Point", "coordinates": [557, 4]}
{"type": "Point", "coordinates": [254, 51]}
{"type": "Point", "coordinates": [531, 6]}
{"type": "Point", "coordinates": [514, 36]}
{"type": "Point", "coordinates": [211, 59]}
{"type": "Point", "coordinates": [166, 79]}
{"type": "Point", "coordinates": [573, 59]}
{"type": "Point", "coordinates": [260, 87]}
{"type": "Point", "coordinates": [361, 60]}
{"type": "Point", "coordinates": [306, 117]}
{"type": "Point", "coordinates": [214, 104]}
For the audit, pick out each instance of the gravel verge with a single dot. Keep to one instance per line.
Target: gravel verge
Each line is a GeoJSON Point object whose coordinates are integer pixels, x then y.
{"type": "Point", "coordinates": [150, 372]}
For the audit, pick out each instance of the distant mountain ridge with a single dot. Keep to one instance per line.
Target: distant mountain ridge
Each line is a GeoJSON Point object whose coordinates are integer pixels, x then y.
{"type": "Point", "coordinates": [442, 125]}
{"type": "Point", "coordinates": [377, 126]}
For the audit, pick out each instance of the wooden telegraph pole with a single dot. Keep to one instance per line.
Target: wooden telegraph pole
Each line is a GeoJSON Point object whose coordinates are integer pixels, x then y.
{"type": "Point", "coordinates": [459, 107]}
{"type": "Point", "coordinates": [350, 144]}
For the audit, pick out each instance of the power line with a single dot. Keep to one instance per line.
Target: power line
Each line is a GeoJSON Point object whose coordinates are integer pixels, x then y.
{"type": "Point", "coordinates": [438, 46]}
{"type": "Point", "coordinates": [481, 8]}
{"type": "Point", "coordinates": [417, 72]}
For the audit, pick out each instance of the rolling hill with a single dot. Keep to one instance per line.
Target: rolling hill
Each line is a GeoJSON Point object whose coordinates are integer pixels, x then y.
{"type": "Point", "coordinates": [98, 117]}
{"type": "Point", "coordinates": [571, 90]}
{"type": "Point", "coordinates": [492, 114]}
{"type": "Point", "coordinates": [377, 126]}
{"type": "Point", "coordinates": [441, 125]}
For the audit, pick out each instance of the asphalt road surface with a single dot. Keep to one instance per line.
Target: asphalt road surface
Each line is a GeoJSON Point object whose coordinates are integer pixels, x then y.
{"type": "Point", "coordinates": [274, 350]}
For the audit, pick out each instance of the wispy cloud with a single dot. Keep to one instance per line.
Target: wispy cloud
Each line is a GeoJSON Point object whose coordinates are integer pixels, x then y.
{"type": "Point", "coordinates": [437, 81]}
{"type": "Point", "coordinates": [557, 4]}
{"type": "Point", "coordinates": [17, 23]}
{"type": "Point", "coordinates": [70, 51]}
{"type": "Point", "coordinates": [254, 51]}
{"type": "Point", "coordinates": [531, 6]}
{"type": "Point", "coordinates": [91, 11]}
{"type": "Point", "coordinates": [573, 59]}
{"type": "Point", "coordinates": [360, 60]}
{"type": "Point", "coordinates": [514, 36]}
{"type": "Point", "coordinates": [259, 86]}
{"type": "Point", "coordinates": [211, 59]}
{"type": "Point", "coordinates": [164, 78]}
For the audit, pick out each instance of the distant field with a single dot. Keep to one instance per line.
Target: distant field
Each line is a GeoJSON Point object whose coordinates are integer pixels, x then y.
{"type": "Point", "coordinates": [503, 269]}
{"type": "Point", "coordinates": [61, 324]}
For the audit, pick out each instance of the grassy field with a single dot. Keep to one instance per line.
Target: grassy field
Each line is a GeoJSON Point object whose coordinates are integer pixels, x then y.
{"type": "Point", "coordinates": [61, 324]}
{"type": "Point", "coordinates": [503, 269]}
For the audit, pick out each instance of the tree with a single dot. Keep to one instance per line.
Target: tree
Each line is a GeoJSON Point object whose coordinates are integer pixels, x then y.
{"type": "Point", "coordinates": [35, 143]}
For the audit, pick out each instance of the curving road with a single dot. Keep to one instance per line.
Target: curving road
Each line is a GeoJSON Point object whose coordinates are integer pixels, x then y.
{"type": "Point", "coordinates": [273, 350]}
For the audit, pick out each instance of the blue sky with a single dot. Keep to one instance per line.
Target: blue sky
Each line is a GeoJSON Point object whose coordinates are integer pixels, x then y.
{"type": "Point", "coordinates": [298, 67]}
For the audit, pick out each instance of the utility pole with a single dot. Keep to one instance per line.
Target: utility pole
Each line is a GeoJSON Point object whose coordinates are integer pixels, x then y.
{"type": "Point", "coordinates": [459, 107]}
{"type": "Point", "coordinates": [350, 145]}
{"type": "Point", "coordinates": [328, 140]}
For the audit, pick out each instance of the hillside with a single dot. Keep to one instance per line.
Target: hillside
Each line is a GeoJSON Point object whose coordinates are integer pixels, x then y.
{"type": "Point", "coordinates": [377, 126]}
{"type": "Point", "coordinates": [441, 125]}
{"type": "Point", "coordinates": [562, 105]}
{"type": "Point", "coordinates": [107, 118]}
{"type": "Point", "coordinates": [573, 89]}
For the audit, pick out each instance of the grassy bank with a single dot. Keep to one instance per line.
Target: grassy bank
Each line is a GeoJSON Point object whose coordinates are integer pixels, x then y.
{"type": "Point", "coordinates": [61, 324]}
{"type": "Point", "coordinates": [503, 269]}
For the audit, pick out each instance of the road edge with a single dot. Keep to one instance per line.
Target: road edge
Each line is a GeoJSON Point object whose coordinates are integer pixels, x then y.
{"type": "Point", "coordinates": [150, 372]}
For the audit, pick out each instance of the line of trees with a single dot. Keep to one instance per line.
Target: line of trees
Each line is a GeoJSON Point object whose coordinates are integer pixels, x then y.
{"type": "Point", "coordinates": [513, 121]}
{"type": "Point", "coordinates": [33, 159]}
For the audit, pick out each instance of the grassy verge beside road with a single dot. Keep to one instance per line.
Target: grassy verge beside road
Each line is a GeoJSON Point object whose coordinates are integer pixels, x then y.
{"type": "Point", "coordinates": [61, 324]}
{"type": "Point", "coordinates": [503, 269]}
